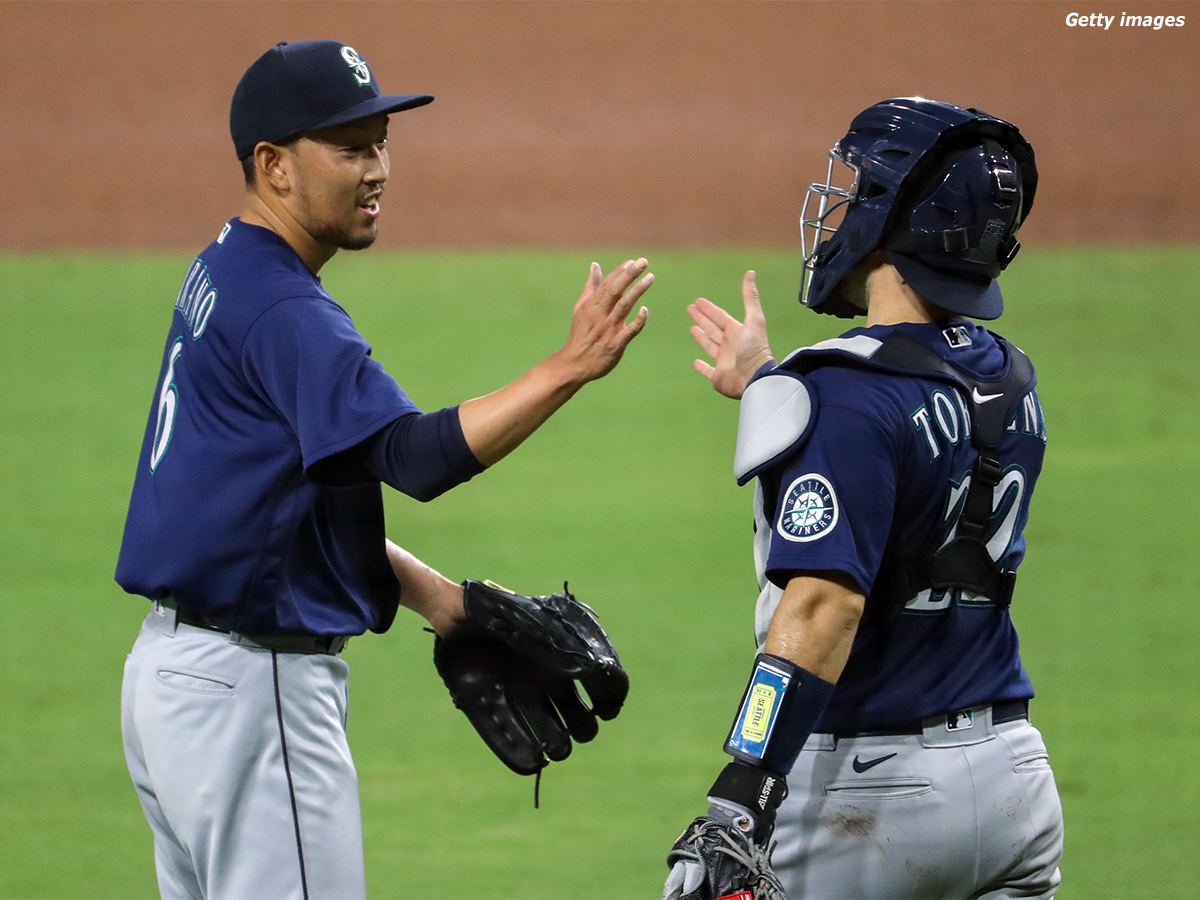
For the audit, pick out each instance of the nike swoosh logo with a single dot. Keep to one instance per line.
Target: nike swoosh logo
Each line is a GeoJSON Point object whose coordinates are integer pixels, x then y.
{"type": "Point", "coordinates": [861, 767]}
{"type": "Point", "coordinates": [983, 398]}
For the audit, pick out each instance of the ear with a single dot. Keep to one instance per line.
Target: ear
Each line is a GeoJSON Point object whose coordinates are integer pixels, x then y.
{"type": "Point", "coordinates": [275, 166]}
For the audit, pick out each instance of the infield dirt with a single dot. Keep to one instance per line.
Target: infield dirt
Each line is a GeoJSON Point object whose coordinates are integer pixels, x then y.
{"type": "Point", "coordinates": [587, 123]}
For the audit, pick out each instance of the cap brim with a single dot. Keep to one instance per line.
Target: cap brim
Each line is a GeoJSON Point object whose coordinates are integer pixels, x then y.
{"type": "Point", "coordinates": [374, 106]}
{"type": "Point", "coordinates": [978, 298]}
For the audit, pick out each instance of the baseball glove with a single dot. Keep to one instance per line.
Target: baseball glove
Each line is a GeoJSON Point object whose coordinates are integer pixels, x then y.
{"type": "Point", "coordinates": [512, 665]}
{"type": "Point", "coordinates": [714, 859]}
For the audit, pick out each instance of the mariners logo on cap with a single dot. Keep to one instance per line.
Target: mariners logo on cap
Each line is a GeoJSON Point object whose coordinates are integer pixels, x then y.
{"type": "Point", "coordinates": [810, 509]}
{"type": "Point", "coordinates": [359, 66]}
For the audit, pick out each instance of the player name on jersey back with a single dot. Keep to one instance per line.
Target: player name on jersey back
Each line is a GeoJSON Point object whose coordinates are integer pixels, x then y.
{"type": "Point", "coordinates": [197, 298]}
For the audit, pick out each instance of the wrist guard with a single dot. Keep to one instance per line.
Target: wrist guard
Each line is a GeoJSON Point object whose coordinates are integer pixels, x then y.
{"type": "Point", "coordinates": [755, 795]}
{"type": "Point", "coordinates": [781, 705]}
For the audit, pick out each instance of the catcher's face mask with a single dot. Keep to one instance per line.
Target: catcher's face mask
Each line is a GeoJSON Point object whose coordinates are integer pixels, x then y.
{"type": "Point", "coordinates": [829, 204]}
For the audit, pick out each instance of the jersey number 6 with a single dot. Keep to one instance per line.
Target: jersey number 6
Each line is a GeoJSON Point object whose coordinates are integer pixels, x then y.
{"type": "Point", "coordinates": [168, 399]}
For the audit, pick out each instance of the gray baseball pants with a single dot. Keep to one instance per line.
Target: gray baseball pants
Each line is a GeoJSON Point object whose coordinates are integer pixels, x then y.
{"type": "Point", "coordinates": [964, 809]}
{"type": "Point", "coordinates": [240, 760]}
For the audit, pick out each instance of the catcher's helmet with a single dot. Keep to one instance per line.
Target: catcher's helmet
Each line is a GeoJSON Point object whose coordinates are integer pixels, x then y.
{"type": "Point", "coordinates": [942, 189]}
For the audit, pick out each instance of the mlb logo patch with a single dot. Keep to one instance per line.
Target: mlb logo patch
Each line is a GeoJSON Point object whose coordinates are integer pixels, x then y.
{"type": "Point", "coordinates": [960, 721]}
{"type": "Point", "coordinates": [956, 336]}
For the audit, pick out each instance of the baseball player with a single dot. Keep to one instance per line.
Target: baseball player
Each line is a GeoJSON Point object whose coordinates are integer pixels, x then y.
{"type": "Point", "coordinates": [256, 521]}
{"type": "Point", "coordinates": [883, 745]}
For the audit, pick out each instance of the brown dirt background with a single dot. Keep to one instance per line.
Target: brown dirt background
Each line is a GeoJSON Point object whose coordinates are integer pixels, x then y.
{"type": "Point", "coordinates": [570, 122]}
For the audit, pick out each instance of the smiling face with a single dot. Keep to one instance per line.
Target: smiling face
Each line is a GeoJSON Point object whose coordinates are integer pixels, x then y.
{"type": "Point", "coordinates": [337, 178]}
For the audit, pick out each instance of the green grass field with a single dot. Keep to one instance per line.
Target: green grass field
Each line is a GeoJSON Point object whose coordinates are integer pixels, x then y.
{"type": "Point", "coordinates": [627, 493]}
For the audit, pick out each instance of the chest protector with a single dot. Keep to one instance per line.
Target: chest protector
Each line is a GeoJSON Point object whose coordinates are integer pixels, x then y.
{"type": "Point", "coordinates": [782, 398]}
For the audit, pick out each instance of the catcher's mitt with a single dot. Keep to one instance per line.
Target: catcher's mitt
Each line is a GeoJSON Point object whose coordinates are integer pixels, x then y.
{"type": "Point", "coordinates": [716, 860]}
{"type": "Point", "coordinates": [511, 666]}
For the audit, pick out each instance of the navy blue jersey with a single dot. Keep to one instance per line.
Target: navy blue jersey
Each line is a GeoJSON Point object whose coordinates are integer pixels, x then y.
{"type": "Point", "coordinates": [263, 376]}
{"type": "Point", "coordinates": [879, 485]}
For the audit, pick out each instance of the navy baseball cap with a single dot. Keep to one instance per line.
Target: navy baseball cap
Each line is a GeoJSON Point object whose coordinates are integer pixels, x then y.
{"type": "Point", "coordinates": [294, 89]}
{"type": "Point", "coordinates": [976, 296]}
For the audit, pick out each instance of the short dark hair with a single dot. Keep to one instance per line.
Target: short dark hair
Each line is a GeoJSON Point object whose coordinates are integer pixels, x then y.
{"type": "Point", "coordinates": [250, 168]}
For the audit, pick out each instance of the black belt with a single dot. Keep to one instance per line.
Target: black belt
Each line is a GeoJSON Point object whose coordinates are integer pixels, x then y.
{"type": "Point", "coordinates": [331, 644]}
{"type": "Point", "coordinates": [1006, 711]}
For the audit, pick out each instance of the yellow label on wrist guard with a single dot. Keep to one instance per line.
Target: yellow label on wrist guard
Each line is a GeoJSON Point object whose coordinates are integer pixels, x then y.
{"type": "Point", "coordinates": [751, 732]}
{"type": "Point", "coordinates": [757, 720]}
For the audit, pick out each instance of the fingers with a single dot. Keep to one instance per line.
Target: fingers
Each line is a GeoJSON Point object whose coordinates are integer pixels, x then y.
{"type": "Point", "coordinates": [620, 278]}
{"type": "Point", "coordinates": [606, 301]}
{"type": "Point", "coordinates": [626, 273]}
{"type": "Point", "coordinates": [711, 326]}
{"type": "Point", "coordinates": [709, 332]}
{"type": "Point", "coordinates": [626, 301]}
{"type": "Point", "coordinates": [618, 291]}
{"type": "Point", "coordinates": [709, 316]}
{"type": "Point", "coordinates": [627, 332]}
{"type": "Point", "coordinates": [706, 340]}
{"type": "Point", "coordinates": [634, 328]}
{"type": "Point", "coordinates": [750, 299]}
{"type": "Point", "coordinates": [595, 276]}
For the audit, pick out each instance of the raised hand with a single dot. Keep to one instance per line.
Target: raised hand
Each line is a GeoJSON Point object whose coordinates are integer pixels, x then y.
{"type": "Point", "coordinates": [599, 333]}
{"type": "Point", "coordinates": [738, 349]}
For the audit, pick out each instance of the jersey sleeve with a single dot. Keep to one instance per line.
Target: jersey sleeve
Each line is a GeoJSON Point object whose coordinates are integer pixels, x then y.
{"type": "Point", "coordinates": [835, 499]}
{"type": "Point", "coordinates": [307, 358]}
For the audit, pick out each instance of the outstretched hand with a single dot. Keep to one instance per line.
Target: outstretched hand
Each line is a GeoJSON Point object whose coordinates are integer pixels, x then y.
{"type": "Point", "coordinates": [738, 349]}
{"type": "Point", "coordinates": [599, 333]}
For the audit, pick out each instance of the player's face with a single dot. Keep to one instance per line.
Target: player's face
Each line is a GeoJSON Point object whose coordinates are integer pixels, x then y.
{"type": "Point", "coordinates": [338, 179]}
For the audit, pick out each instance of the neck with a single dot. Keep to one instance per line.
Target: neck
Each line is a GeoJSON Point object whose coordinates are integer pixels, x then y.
{"type": "Point", "coordinates": [890, 301]}
{"type": "Point", "coordinates": [267, 211]}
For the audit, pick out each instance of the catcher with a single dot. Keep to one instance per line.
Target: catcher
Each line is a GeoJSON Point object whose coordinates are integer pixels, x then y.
{"type": "Point", "coordinates": [894, 467]}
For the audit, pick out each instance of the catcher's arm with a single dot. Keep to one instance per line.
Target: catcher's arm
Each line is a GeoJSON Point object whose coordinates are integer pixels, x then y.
{"type": "Point", "coordinates": [815, 622]}
{"type": "Point", "coordinates": [726, 851]}
{"type": "Point", "coordinates": [426, 591]}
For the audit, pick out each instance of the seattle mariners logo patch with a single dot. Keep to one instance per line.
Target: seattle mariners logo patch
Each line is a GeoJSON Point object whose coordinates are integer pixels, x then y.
{"type": "Point", "coordinates": [810, 509]}
{"type": "Point", "coordinates": [361, 73]}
